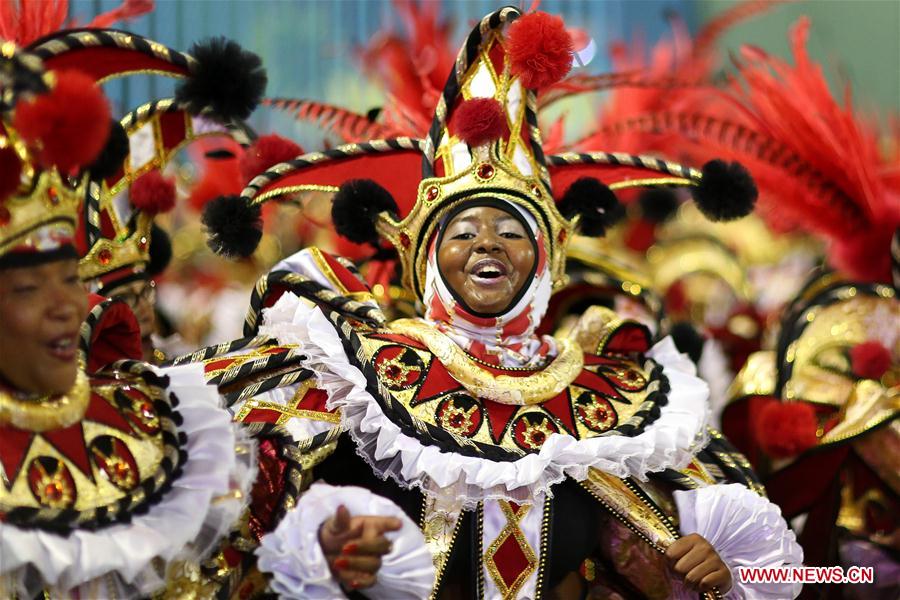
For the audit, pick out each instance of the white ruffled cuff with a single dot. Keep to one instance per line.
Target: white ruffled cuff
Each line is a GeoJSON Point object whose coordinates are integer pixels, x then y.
{"type": "Point", "coordinates": [746, 530]}
{"type": "Point", "coordinates": [292, 555]}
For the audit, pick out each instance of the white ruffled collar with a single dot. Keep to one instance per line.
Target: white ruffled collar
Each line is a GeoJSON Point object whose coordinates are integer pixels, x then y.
{"type": "Point", "coordinates": [669, 442]}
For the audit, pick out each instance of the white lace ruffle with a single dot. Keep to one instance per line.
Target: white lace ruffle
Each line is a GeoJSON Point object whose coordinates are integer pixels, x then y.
{"type": "Point", "coordinates": [191, 517]}
{"type": "Point", "coordinates": [746, 530]}
{"type": "Point", "coordinates": [292, 555]}
{"type": "Point", "coordinates": [670, 441]}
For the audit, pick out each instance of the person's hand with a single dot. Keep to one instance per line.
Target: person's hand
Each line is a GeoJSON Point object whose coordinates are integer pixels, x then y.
{"type": "Point", "coordinates": [354, 546]}
{"type": "Point", "coordinates": [698, 564]}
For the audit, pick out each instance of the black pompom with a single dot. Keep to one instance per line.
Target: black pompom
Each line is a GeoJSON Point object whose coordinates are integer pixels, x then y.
{"type": "Point", "coordinates": [160, 251]}
{"type": "Point", "coordinates": [688, 340]}
{"type": "Point", "coordinates": [658, 205]}
{"type": "Point", "coordinates": [234, 227]}
{"type": "Point", "coordinates": [726, 192]}
{"type": "Point", "coordinates": [113, 155]}
{"type": "Point", "coordinates": [356, 207]}
{"type": "Point", "coordinates": [597, 204]}
{"type": "Point", "coordinates": [226, 80]}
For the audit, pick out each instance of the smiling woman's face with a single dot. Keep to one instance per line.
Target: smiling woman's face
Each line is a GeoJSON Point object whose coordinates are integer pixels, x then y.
{"type": "Point", "coordinates": [486, 256]}
{"type": "Point", "coordinates": [41, 310]}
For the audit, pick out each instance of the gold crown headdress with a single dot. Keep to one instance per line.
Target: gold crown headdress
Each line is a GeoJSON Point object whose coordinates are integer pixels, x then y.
{"type": "Point", "coordinates": [222, 83]}
{"type": "Point", "coordinates": [484, 143]}
{"type": "Point", "coordinates": [53, 123]}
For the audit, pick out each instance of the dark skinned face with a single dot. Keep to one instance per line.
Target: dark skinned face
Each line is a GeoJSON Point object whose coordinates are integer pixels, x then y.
{"type": "Point", "coordinates": [486, 256]}
{"type": "Point", "coordinates": [41, 310]}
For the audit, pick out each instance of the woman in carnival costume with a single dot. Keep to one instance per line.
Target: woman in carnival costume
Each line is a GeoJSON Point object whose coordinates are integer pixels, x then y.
{"type": "Point", "coordinates": [107, 479]}
{"type": "Point", "coordinates": [531, 465]}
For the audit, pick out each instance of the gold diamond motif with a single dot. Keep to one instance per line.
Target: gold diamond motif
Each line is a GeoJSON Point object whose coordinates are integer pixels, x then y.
{"type": "Point", "coordinates": [512, 545]}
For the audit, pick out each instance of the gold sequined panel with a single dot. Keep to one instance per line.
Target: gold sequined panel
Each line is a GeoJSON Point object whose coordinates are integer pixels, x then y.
{"type": "Point", "coordinates": [611, 395]}
{"type": "Point", "coordinates": [93, 463]}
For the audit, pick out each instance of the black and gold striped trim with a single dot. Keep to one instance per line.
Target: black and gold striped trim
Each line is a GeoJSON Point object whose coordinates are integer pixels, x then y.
{"type": "Point", "coordinates": [307, 288]}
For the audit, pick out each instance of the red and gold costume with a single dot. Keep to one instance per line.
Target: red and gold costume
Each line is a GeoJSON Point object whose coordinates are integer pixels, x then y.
{"type": "Point", "coordinates": [107, 486]}
{"type": "Point", "coordinates": [513, 459]}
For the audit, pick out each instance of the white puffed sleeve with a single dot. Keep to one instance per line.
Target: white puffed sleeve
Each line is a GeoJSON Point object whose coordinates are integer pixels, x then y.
{"type": "Point", "coordinates": [746, 530]}
{"type": "Point", "coordinates": [292, 555]}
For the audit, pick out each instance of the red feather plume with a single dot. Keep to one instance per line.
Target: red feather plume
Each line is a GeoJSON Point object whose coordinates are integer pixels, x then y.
{"type": "Point", "coordinates": [24, 21]}
{"type": "Point", "coordinates": [839, 191]}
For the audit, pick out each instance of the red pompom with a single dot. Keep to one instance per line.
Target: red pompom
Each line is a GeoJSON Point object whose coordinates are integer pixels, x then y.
{"type": "Point", "coordinates": [785, 429]}
{"type": "Point", "coordinates": [67, 127]}
{"type": "Point", "coordinates": [870, 360]}
{"type": "Point", "coordinates": [540, 50]}
{"type": "Point", "coordinates": [266, 152]}
{"type": "Point", "coordinates": [479, 121]}
{"type": "Point", "coordinates": [10, 172]}
{"type": "Point", "coordinates": [153, 193]}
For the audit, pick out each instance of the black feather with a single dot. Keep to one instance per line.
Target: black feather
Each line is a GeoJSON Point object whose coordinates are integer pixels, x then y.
{"type": "Point", "coordinates": [113, 155]}
{"type": "Point", "coordinates": [356, 207]}
{"type": "Point", "coordinates": [597, 204]}
{"type": "Point", "coordinates": [658, 205]}
{"type": "Point", "coordinates": [688, 340]}
{"type": "Point", "coordinates": [226, 81]}
{"type": "Point", "coordinates": [160, 251]}
{"type": "Point", "coordinates": [726, 191]}
{"type": "Point", "coordinates": [234, 227]}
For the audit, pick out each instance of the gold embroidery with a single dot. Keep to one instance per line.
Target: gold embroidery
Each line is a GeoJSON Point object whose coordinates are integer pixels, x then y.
{"type": "Point", "coordinates": [440, 525]}
{"type": "Point", "coordinates": [107, 480]}
{"type": "Point", "coordinates": [504, 389]}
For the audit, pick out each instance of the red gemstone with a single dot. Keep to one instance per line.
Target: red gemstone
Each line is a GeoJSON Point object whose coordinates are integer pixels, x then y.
{"type": "Point", "coordinates": [54, 197]}
{"type": "Point", "coordinates": [5, 216]}
{"type": "Point", "coordinates": [562, 235]}
{"type": "Point", "coordinates": [147, 410]}
{"type": "Point", "coordinates": [485, 171]}
{"type": "Point", "coordinates": [456, 420]}
{"type": "Point", "coordinates": [432, 193]}
{"type": "Point", "coordinates": [121, 470]}
{"type": "Point", "coordinates": [600, 414]}
{"type": "Point", "coordinates": [104, 256]}
{"type": "Point", "coordinates": [393, 371]}
{"type": "Point", "coordinates": [404, 239]}
{"type": "Point", "coordinates": [537, 438]}
{"type": "Point", "coordinates": [53, 491]}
